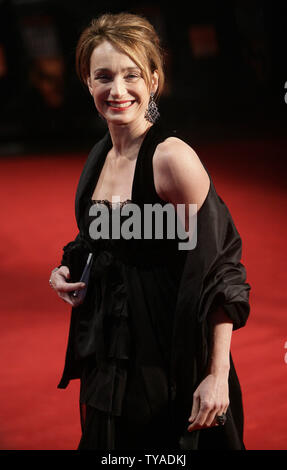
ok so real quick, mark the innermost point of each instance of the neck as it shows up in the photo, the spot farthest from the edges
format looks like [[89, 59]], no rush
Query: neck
[[127, 138]]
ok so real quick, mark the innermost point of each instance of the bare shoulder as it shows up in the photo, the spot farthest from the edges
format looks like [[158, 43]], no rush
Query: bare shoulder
[[172, 144], [174, 154], [179, 173]]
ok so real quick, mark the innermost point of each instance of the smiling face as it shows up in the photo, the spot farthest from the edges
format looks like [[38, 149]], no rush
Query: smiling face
[[120, 93]]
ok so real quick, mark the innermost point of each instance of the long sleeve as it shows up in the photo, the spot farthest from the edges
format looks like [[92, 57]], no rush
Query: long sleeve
[[75, 254]]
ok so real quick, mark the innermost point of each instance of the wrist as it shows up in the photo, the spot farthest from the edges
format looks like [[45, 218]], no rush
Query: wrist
[[219, 370]]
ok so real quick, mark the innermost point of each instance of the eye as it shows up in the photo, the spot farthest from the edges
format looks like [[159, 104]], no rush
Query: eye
[[133, 76], [103, 78]]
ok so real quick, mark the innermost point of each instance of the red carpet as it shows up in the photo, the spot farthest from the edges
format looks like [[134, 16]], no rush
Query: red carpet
[[37, 195]]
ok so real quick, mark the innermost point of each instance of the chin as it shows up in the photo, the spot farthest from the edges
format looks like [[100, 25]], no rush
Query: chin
[[120, 119]]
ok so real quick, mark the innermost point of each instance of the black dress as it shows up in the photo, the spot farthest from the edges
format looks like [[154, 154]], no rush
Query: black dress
[[139, 342]]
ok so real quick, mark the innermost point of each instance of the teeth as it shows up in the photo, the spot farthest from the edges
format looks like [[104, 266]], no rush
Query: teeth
[[120, 105]]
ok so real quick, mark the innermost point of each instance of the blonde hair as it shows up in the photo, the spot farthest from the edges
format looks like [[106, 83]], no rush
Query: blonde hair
[[132, 35]]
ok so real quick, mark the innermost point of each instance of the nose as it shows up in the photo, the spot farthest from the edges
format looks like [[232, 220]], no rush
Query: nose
[[117, 88]]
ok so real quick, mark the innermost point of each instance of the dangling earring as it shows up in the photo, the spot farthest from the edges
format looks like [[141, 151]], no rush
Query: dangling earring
[[152, 113]]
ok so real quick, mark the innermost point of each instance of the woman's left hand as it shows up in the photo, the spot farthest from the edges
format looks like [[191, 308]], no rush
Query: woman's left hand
[[210, 399]]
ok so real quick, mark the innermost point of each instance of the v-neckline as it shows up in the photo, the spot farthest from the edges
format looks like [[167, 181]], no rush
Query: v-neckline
[[136, 169]]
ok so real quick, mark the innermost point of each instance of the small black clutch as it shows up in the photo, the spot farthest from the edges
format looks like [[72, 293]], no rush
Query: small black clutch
[[80, 294], [78, 258]]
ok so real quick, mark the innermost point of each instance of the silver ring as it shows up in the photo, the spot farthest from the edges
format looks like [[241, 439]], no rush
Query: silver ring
[[53, 271], [221, 419]]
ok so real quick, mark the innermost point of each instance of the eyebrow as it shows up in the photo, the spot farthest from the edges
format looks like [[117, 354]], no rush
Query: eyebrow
[[126, 69]]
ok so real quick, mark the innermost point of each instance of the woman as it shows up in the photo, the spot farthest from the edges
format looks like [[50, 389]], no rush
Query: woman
[[150, 341]]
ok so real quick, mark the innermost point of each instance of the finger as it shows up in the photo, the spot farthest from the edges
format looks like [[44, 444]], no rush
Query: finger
[[66, 298], [70, 286], [195, 409], [65, 271], [62, 273], [59, 281], [201, 417], [225, 408], [211, 418], [74, 302]]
